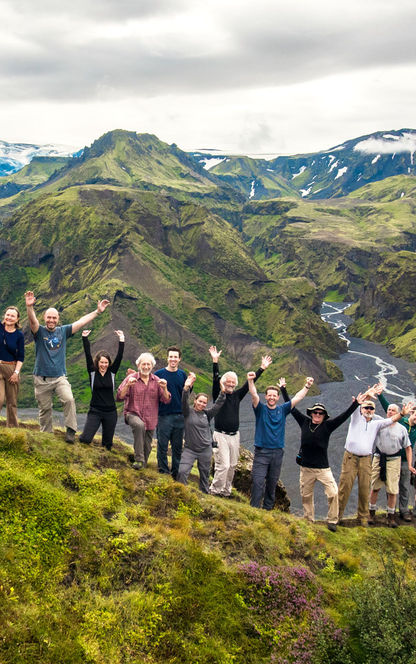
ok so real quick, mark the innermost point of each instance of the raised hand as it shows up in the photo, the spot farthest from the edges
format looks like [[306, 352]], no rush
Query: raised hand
[[85, 333], [251, 375], [215, 354], [120, 334], [102, 306], [190, 380], [309, 382], [266, 361], [282, 382], [30, 298]]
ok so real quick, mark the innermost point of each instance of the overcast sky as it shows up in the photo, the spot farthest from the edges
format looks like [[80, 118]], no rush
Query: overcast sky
[[258, 76]]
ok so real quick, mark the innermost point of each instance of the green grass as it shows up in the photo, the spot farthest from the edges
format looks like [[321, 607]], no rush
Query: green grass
[[99, 563]]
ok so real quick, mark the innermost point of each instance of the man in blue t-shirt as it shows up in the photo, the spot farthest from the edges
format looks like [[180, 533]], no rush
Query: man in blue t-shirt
[[49, 374], [269, 440], [170, 422]]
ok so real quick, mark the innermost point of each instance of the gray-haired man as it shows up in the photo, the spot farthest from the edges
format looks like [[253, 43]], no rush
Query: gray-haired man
[[227, 424]]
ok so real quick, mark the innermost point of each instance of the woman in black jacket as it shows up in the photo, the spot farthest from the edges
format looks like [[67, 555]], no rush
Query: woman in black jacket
[[316, 428], [102, 372]]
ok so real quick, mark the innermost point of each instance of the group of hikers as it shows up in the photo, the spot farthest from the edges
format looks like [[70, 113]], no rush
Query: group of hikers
[[378, 451]]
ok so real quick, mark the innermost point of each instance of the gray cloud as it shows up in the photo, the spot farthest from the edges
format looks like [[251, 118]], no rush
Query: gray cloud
[[269, 44]]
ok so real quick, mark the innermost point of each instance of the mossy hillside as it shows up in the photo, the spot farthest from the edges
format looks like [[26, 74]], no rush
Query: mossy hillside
[[389, 302], [336, 244], [244, 173], [99, 563], [37, 171], [172, 271]]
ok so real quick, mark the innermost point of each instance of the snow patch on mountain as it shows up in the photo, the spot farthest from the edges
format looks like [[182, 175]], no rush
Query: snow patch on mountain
[[210, 162], [295, 175], [341, 172]]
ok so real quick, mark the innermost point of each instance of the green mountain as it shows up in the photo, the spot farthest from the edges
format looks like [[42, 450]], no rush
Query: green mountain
[[320, 175], [184, 258], [174, 269]]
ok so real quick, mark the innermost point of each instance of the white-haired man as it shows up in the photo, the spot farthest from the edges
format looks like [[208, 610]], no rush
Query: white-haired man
[[142, 392], [49, 374], [227, 423]]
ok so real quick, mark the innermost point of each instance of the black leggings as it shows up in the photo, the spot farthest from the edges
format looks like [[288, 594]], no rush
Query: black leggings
[[108, 420]]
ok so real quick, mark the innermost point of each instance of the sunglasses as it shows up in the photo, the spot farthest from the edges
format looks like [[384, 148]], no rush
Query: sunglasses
[[368, 408], [318, 412]]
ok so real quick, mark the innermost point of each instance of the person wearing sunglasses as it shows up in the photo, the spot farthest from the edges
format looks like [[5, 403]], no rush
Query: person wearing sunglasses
[[316, 427], [356, 463]]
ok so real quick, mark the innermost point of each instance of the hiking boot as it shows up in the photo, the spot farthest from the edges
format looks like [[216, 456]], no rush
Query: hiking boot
[[138, 465], [391, 521], [372, 518], [332, 527], [405, 516], [70, 435]]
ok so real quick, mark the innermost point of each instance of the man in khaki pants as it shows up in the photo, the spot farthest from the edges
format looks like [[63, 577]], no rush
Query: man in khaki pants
[[49, 374], [359, 447]]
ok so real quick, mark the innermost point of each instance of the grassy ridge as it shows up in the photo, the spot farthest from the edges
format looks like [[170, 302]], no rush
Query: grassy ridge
[[99, 563]]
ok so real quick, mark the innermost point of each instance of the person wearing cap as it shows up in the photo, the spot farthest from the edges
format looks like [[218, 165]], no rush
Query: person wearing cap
[[269, 440], [359, 447], [409, 423], [316, 427], [390, 442]]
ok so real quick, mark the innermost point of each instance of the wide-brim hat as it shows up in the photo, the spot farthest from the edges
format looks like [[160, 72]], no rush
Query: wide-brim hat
[[318, 406]]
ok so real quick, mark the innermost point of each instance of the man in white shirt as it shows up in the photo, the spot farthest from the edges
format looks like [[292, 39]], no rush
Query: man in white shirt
[[359, 447]]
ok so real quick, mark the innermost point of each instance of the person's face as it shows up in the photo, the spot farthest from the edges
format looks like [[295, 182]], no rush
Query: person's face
[[272, 397], [412, 418], [145, 367], [200, 402], [11, 317], [392, 410], [51, 319], [103, 364], [317, 416], [229, 385], [368, 412], [173, 360]]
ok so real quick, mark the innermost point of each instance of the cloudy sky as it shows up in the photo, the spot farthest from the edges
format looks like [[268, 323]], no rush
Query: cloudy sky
[[258, 76]]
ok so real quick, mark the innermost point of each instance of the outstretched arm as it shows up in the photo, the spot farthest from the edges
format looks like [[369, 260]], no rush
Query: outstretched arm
[[116, 364], [87, 350], [303, 392], [30, 301], [252, 388], [215, 355], [101, 306]]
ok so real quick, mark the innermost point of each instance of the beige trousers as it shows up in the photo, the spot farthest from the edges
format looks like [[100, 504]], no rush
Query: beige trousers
[[226, 457], [355, 466], [307, 479], [45, 388], [8, 393]]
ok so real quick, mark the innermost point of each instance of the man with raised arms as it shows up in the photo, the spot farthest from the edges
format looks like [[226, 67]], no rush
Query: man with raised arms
[[227, 423], [49, 373], [269, 440], [359, 447]]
